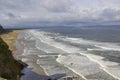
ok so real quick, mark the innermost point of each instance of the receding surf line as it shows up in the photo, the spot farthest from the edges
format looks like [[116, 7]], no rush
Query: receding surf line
[[108, 48], [103, 45], [100, 65], [70, 68], [41, 49], [43, 68]]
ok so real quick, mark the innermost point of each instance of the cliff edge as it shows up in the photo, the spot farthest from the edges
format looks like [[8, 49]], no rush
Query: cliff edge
[[10, 69]]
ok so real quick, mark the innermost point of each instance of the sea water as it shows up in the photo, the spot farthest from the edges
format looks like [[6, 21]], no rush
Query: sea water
[[90, 53]]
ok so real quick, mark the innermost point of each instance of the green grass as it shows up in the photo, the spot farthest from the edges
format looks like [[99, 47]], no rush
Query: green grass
[[9, 68]]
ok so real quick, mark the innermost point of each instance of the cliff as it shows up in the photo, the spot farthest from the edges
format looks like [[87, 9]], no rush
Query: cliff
[[9, 67]]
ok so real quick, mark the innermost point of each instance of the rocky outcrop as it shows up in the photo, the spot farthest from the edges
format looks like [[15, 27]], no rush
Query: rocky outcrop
[[1, 29]]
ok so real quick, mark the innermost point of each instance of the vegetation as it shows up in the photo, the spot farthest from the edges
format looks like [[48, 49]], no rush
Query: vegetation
[[10, 69]]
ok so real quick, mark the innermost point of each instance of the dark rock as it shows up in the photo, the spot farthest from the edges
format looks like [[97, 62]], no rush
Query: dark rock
[[1, 28], [21, 64]]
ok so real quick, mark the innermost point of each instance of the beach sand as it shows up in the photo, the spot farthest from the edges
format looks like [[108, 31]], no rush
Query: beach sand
[[10, 37]]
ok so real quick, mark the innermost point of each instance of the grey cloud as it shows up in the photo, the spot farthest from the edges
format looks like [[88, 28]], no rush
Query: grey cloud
[[58, 11], [110, 14], [54, 5], [11, 15]]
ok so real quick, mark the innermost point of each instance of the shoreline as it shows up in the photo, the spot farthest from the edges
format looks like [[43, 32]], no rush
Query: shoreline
[[17, 53], [33, 69], [9, 37], [13, 67]]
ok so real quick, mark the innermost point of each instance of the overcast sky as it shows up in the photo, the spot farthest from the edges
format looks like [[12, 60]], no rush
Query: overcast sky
[[59, 12]]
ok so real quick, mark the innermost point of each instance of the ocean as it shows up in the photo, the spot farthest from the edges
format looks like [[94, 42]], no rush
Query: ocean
[[85, 53]]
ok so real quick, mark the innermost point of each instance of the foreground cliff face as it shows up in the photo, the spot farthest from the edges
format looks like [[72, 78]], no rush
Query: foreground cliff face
[[10, 69]]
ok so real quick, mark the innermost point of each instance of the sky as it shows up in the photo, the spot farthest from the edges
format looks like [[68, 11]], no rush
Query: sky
[[59, 12]]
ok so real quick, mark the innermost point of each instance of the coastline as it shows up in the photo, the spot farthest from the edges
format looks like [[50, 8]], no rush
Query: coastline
[[8, 38], [33, 68], [10, 68]]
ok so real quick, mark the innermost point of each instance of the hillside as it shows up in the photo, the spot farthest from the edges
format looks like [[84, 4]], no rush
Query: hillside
[[9, 68]]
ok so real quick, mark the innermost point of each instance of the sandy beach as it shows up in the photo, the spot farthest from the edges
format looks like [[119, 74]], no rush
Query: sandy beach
[[10, 37]]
